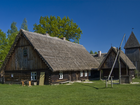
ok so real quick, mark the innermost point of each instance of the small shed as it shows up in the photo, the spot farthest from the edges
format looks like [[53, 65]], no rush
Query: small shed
[[127, 67], [41, 58]]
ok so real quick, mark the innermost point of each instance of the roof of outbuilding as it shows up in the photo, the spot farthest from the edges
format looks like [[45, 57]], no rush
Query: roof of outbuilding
[[132, 42], [123, 57], [58, 54], [99, 59]]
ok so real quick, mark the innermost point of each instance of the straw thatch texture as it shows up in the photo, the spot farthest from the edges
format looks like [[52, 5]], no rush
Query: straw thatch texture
[[132, 42], [60, 55], [101, 58], [123, 57]]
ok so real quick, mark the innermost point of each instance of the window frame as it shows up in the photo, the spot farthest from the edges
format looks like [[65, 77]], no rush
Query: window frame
[[89, 73], [85, 73], [33, 75], [25, 52], [61, 75], [81, 73]]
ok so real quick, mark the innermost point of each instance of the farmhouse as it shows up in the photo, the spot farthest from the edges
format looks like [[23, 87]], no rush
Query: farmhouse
[[132, 50], [127, 67], [46, 60]]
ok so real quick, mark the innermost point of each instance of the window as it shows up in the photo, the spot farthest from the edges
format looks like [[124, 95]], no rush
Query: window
[[61, 75], [33, 75], [89, 73], [81, 73], [12, 75], [25, 52], [85, 73]]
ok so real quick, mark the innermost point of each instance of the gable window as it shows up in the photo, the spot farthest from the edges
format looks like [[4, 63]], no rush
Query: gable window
[[89, 73], [25, 52], [81, 73], [85, 73], [60, 75], [33, 75]]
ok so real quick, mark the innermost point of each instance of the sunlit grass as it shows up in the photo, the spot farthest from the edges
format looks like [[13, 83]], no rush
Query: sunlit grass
[[76, 94]]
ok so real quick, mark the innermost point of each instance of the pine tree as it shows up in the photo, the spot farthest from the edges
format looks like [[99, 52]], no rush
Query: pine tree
[[12, 33], [24, 25]]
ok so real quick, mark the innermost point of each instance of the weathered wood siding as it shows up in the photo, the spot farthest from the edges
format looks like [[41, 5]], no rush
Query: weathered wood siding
[[67, 76], [134, 55], [110, 60], [19, 76], [18, 61]]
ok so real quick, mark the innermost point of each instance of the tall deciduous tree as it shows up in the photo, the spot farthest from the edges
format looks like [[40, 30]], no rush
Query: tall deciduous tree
[[24, 24], [3, 46], [58, 27]]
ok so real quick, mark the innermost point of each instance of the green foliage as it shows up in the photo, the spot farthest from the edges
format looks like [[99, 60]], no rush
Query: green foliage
[[12, 33], [137, 73], [91, 52], [24, 25], [57, 27], [6, 42], [95, 53], [3, 46]]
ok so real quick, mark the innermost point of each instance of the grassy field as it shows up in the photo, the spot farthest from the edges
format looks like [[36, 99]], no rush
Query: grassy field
[[76, 94]]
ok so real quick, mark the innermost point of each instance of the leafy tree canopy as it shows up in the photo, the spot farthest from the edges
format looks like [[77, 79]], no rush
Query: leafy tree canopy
[[91, 52], [24, 25], [57, 27], [95, 53]]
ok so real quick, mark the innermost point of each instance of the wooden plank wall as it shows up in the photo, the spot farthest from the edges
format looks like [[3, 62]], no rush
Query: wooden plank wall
[[20, 62], [67, 76], [19, 76], [134, 55], [110, 60]]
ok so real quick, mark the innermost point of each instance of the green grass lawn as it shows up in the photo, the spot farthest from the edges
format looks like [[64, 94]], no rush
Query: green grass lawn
[[75, 94]]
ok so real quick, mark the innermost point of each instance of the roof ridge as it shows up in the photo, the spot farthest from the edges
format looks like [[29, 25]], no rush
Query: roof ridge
[[56, 38]]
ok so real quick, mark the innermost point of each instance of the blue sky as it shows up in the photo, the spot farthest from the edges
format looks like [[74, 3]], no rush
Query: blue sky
[[103, 22]]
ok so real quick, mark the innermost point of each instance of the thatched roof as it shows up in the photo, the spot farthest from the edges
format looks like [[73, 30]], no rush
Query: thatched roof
[[99, 59], [58, 54], [123, 57], [132, 42]]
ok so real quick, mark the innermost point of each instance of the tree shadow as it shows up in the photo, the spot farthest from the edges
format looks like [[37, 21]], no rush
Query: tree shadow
[[93, 86]]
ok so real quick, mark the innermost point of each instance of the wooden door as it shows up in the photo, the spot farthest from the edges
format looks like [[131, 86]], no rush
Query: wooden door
[[69, 76], [42, 76]]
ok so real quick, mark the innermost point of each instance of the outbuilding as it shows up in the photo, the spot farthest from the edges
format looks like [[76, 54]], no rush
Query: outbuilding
[[127, 67]]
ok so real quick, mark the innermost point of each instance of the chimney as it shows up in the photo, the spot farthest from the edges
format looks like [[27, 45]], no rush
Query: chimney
[[47, 34], [99, 53], [64, 38]]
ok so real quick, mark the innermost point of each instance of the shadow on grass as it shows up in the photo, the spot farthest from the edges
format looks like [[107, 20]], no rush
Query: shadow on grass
[[93, 86]]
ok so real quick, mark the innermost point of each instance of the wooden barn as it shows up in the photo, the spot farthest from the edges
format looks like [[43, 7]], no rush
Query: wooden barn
[[46, 60], [132, 50], [127, 67]]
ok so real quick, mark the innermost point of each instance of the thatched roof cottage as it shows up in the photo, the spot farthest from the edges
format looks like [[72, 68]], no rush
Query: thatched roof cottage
[[46, 60]]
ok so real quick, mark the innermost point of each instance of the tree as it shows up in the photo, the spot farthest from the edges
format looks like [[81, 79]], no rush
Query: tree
[[3, 46], [95, 52], [91, 52], [12, 33], [57, 27], [24, 25]]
